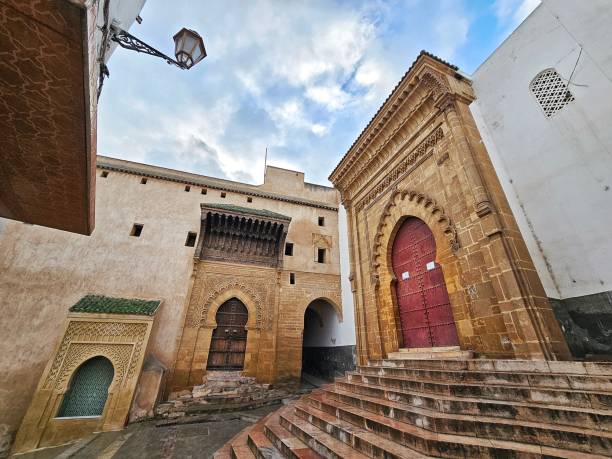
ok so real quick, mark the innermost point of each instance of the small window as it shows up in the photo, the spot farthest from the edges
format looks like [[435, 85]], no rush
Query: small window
[[187, 188], [249, 199], [136, 230], [292, 278], [104, 174], [143, 181], [222, 195], [191, 239], [321, 221], [204, 191], [320, 255], [551, 91], [289, 249]]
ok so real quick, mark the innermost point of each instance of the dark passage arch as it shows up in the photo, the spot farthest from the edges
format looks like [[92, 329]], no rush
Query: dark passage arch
[[425, 313], [88, 389], [322, 357], [228, 343]]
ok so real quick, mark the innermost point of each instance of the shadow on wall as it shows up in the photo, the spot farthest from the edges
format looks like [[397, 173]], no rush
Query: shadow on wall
[[587, 324], [320, 356]]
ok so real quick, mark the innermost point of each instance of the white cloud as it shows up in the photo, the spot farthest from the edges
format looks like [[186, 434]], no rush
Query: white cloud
[[513, 12]]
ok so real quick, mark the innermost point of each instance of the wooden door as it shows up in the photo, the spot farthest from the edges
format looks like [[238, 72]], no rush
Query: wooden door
[[424, 307], [228, 342]]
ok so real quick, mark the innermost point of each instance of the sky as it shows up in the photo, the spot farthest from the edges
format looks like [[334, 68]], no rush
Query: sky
[[300, 78]]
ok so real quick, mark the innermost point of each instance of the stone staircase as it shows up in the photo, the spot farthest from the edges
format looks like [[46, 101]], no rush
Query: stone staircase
[[447, 407], [221, 391]]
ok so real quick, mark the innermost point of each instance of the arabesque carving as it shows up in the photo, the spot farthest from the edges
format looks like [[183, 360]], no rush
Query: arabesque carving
[[426, 203], [118, 354], [207, 290], [423, 149], [434, 87], [96, 334]]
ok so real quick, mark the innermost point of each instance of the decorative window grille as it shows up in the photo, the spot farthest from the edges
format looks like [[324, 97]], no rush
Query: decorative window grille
[[551, 91], [88, 390]]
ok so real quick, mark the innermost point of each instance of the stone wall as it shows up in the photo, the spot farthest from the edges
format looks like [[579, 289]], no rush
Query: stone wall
[[422, 156], [44, 271]]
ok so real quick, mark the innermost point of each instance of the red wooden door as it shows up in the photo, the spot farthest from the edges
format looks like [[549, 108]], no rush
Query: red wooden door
[[228, 342], [424, 308]]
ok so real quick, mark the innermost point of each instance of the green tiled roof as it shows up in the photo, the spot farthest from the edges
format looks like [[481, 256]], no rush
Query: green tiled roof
[[107, 305], [247, 210]]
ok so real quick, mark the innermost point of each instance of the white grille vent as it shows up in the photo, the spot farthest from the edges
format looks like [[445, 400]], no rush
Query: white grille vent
[[551, 91]]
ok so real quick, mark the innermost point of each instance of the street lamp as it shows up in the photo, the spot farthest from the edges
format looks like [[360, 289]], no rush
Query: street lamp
[[188, 46]]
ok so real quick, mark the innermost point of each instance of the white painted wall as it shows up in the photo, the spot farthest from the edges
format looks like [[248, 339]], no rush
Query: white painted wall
[[335, 333], [557, 171]]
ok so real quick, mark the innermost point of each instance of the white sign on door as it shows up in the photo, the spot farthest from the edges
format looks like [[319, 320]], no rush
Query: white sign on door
[[405, 275]]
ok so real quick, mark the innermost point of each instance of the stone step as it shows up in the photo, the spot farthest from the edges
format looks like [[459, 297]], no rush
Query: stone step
[[433, 350], [241, 452], [289, 445], [571, 438], [507, 366], [570, 416], [451, 353], [422, 440], [259, 443], [516, 378], [566, 397], [328, 433]]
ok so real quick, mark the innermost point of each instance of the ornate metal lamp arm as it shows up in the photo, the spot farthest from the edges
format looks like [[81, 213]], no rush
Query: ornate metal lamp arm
[[128, 41]]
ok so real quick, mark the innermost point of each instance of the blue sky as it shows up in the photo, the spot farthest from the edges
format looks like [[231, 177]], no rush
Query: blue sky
[[302, 78]]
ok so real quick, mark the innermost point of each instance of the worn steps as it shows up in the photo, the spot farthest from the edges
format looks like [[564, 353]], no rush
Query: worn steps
[[415, 408]]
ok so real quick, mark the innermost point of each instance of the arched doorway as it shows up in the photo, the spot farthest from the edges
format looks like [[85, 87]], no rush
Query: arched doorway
[[424, 307], [322, 355], [228, 343], [88, 389]]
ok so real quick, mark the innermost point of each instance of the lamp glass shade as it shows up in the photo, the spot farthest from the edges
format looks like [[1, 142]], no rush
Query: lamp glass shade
[[188, 47]]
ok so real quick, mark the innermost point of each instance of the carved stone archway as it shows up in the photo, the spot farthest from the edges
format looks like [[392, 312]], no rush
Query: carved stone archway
[[401, 205]]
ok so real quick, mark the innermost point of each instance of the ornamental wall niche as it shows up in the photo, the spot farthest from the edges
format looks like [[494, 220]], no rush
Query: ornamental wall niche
[[120, 338], [208, 286]]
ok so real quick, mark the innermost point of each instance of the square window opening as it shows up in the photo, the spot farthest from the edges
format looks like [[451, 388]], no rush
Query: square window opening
[[104, 174], [292, 278], [223, 195], [204, 191], [289, 249], [143, 181], [136, 230], [320, 255], [321, 221], [249, 199], [191, 239], [187, 188]]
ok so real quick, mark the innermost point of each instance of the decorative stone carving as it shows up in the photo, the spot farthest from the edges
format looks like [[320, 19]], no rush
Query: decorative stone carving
[[425, 148], [94, 334], [209, 286], [429, 205], [322, 241]]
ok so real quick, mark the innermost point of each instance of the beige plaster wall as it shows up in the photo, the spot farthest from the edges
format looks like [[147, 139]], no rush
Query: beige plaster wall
[[44, 271]]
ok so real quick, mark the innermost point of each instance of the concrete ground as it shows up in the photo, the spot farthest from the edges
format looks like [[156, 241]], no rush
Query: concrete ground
[[152, 440]]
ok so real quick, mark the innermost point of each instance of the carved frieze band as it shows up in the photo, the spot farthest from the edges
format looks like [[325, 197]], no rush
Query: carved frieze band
[[434, 85], [421, 150], [120, 342]]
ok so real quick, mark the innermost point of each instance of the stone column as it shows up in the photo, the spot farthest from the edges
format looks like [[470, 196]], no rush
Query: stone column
[[531, 327]]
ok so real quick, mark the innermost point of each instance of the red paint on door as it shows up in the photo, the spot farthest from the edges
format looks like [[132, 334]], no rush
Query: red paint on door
[[424, 307]]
